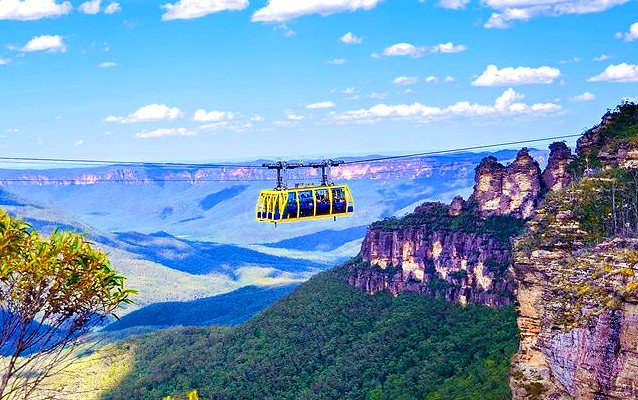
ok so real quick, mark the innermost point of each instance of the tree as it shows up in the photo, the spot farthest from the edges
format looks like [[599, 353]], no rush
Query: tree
[[52, 291]]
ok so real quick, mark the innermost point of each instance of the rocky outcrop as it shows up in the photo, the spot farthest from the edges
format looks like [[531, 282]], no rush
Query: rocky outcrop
[[608, 142], [460, 266], [578, 311], [556, 176], [507, 190], [444, 250]]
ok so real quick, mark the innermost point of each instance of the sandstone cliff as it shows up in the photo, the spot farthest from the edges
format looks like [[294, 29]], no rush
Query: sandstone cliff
[[507, 190], [461, 263], [578, 309], [463, 251]]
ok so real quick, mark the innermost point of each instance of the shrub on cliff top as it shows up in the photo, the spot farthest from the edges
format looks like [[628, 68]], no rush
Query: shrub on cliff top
[[436, 217]]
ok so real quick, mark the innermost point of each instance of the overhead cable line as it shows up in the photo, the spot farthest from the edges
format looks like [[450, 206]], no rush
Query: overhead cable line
[[479, 147], [260, 166]]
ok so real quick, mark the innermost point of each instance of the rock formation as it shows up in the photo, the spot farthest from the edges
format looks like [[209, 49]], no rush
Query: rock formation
[[460, 266], [578, 311], [507, 190], [446, 250], [556, 177]]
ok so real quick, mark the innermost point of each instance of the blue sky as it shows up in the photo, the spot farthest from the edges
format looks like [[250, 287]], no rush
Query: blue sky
[[202, 80]]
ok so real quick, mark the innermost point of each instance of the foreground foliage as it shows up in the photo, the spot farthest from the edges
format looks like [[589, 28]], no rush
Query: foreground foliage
[[52, 291], [328, 340]]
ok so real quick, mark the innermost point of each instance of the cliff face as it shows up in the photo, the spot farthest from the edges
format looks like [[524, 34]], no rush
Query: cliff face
[[578, 310], [462, 252], [460, 266], [507, 190], [556, 177]]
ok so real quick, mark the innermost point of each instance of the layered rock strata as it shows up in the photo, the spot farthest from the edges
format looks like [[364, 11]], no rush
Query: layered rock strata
[[578, 312], [460, 266], [507, 190]]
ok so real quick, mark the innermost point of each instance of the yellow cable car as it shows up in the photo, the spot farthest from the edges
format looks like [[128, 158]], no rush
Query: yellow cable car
[[301, 203]]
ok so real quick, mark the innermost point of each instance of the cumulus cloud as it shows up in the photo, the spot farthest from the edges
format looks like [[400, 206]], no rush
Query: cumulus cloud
[[617, 73], [584, 97], [509, 11], [448, 48], [107, 64], [431, 79], [90, 7], [631, 35], [79, 142], [33, 9], [189, 9], [506, 104], [285, 10], [202, 115], [321, 104], [410, 50], [48, 43], [5, 61], [163, 132], [492, 76], [454, 4], [602, 57], [112, 8], [351, 38], [405, 80], [404, 49], [151, 112]]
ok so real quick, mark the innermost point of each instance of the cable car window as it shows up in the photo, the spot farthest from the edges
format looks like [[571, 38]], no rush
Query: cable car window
[[338, 200], [323, 203], [306, 203], [291, 206]]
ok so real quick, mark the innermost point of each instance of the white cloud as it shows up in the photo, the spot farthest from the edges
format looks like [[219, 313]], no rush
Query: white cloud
[[108, 64], [163, 132], [33, 9], [285, 10], [202, 115], [293, 117], [321, 104], [448, 48], [90, 7], [454, 4], [49, 43], [5, 61], [404, 49], [287, 32], [602, 57], [112, 8], [405, 80], [448, 79], [151, 112], [79, 142], [377, 95], [189, 9], [351, 38], [617, 73], [570, 60], [349, 90], [257, 118], [407, 49], [505, 105], [492, 76], [338, 61], [508, 11], [584, 97], [631, 35], [431, 79]]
